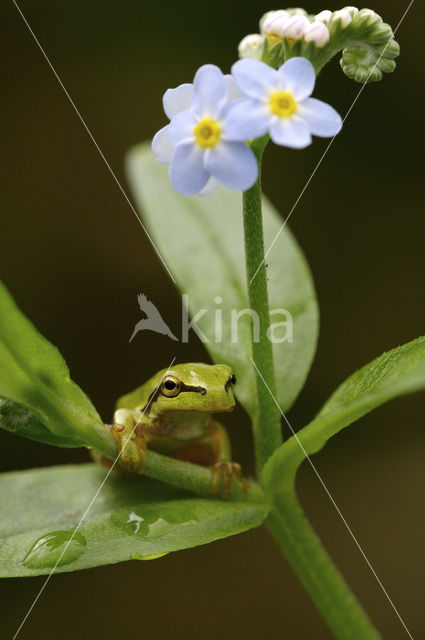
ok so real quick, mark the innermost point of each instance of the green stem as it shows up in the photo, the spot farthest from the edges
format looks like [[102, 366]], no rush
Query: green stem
[[316, 571], [267, 426], [195, 478], [183, 475], [287, 522]]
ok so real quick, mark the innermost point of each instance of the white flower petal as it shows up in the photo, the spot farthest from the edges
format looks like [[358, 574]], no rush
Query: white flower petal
[[209, 92], [290, 132], [246, 119], [162, 147], [187, 172], [233, 164], [233, 91], [322, 119], [255, 78], [297, 76], [181, 128], [178, 99], [209, 187]]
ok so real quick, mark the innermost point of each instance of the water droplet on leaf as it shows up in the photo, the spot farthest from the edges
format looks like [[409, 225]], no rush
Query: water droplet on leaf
[[48, 549], [138, 556]]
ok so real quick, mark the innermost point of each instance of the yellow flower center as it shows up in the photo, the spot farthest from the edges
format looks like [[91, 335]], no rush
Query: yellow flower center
[[282, 104], [207, 132]]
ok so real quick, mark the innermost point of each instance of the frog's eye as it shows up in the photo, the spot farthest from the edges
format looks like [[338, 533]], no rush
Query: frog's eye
[[170, 386], [230, 382]]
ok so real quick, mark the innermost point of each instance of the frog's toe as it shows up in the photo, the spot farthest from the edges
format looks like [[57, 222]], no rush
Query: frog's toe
[[132, 456], [222, 475], [132, 459]]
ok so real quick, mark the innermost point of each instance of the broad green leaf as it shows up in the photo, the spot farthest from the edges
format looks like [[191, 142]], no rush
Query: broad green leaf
[[34, 375], [201, 241], [132, 518], [395, 373], [18, 420]]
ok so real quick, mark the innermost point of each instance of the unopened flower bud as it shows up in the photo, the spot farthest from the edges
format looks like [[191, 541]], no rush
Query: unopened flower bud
[[296, 11], [295, 27], [352, 10], [370, 14], [273, 22], [264, 18], [323, 16], [387, 65], [318, 33], [251, 46], [343, 16], [391, 49]]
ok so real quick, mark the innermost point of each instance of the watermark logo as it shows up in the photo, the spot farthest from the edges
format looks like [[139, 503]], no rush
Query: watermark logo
[[224, 324], [153, 321]]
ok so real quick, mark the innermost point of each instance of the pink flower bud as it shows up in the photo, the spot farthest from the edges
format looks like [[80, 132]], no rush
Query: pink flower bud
[[318, 33], [274, 22], [295, 27]]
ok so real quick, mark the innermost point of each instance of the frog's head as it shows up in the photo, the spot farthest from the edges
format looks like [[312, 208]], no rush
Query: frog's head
[[193, 387]]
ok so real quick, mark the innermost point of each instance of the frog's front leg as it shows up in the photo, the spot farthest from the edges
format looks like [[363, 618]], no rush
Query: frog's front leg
[[213, 450], [131, 442]]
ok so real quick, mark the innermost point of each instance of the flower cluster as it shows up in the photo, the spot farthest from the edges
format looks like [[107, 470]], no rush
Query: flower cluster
[[293, 25], [197, 143], [367, 42], [212, 119], [296, 25]]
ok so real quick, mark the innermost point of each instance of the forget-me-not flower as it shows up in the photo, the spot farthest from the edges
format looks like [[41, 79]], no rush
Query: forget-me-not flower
[[180, 99], [278, 102], [198, 143], [174, 101]]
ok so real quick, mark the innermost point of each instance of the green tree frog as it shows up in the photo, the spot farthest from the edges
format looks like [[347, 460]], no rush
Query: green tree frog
[[172, 414]]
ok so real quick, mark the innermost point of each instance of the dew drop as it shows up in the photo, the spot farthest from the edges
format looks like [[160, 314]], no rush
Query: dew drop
[[48, 549], [139, 556]]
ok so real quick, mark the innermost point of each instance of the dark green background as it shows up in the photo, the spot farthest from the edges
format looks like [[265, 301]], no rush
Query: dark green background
[[75, 257]]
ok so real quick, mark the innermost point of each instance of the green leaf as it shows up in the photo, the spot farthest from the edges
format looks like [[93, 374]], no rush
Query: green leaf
[[395, 373], [132, 518], [201, 241], [34, 376], [18, 420]]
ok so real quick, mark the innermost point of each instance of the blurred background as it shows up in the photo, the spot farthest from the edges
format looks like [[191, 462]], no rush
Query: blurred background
[[74, 257]]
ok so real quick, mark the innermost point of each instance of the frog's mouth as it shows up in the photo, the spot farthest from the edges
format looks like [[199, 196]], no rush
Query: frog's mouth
[[230, 382]]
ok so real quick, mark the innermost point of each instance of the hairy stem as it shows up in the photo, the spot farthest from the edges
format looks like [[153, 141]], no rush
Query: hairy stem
[[267, 426], [184, 475], [316, 571], [194, 478]]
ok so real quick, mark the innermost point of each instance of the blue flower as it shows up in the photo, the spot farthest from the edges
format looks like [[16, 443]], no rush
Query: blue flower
[[278, 102], [198, 143]]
